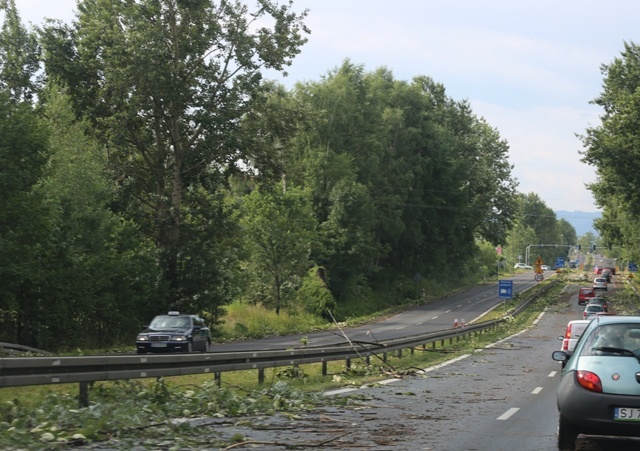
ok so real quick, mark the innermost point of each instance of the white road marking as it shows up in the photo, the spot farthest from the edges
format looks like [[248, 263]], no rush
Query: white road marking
[[443, 364], [553, 373], [536, 390], [508, 414], [435, 317], [535, 321]]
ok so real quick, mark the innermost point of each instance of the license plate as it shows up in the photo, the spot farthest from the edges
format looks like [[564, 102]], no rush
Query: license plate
[[626, 414], [158, 345]]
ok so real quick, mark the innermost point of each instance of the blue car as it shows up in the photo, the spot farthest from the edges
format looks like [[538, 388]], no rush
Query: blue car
[[599, 393]]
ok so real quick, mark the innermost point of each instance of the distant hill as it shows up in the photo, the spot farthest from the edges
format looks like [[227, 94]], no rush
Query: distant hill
[[582, 221]]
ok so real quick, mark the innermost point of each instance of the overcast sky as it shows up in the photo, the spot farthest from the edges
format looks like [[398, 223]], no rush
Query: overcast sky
[[530, 68]]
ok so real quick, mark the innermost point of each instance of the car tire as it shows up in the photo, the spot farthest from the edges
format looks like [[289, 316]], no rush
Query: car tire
[[567, 435]]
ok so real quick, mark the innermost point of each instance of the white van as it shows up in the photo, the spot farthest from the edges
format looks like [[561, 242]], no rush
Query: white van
[[572, 334]]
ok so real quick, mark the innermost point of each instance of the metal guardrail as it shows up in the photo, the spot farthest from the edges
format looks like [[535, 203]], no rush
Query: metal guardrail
[[11, 348], [22, 371]]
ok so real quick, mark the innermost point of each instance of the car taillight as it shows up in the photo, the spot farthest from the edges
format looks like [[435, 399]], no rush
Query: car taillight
[[565, 345], [568, 332], [589, 381]]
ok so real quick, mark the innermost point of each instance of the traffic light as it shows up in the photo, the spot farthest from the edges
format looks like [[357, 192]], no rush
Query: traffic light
[[579, 247], [593, 247]]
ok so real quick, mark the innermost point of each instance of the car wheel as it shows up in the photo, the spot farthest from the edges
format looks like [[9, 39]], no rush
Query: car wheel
[[567, 435]]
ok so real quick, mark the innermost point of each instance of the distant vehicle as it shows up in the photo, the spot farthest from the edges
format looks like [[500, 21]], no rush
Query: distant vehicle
[[544, 267], [599, 391], [174, 332], [572, 334], [590, 311], [599, 301], [522, 266], [584, 294], [600, 283], [607, 274]]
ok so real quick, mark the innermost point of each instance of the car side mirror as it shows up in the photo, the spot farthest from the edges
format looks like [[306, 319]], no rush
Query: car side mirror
[[559, 356]]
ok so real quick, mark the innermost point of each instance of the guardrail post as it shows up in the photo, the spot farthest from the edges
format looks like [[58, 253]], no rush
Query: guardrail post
[[348, 364], [217, 377], [83, 397], [324, 368], [399, 353], [384, 357], [260, 376], [367, 360]]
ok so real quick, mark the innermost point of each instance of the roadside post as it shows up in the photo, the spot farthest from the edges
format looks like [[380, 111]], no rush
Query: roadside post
[[505, 291]]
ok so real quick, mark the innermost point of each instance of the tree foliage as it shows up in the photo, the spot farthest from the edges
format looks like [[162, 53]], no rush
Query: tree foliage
[[19, 55], [613, 148], [166, 83], [24, 152], [161, 171], [279, 228]]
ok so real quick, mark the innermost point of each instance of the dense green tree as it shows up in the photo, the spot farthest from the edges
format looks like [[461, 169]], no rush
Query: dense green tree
[[24, 152], [568, 235], [414, 176], [542, 219], [167, 82], [96, 269], [613, 148], [19, 55], [520, 237], [279, 228]]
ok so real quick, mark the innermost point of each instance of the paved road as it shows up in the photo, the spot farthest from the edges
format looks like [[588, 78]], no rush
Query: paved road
[[500, 398], [434, 316]]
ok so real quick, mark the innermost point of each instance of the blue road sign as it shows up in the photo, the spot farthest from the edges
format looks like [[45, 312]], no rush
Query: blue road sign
[[633, 267], [559, 262], [505, 289]]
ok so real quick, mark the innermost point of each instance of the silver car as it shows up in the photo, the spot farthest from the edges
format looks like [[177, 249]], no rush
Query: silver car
[[591, 310]]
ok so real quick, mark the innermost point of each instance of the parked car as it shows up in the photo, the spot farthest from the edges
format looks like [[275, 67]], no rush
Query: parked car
[[599, 301], [591, 310], [522, 266], [572, 333], [584, 294], [599, 391], [600, 283], [174, 332]]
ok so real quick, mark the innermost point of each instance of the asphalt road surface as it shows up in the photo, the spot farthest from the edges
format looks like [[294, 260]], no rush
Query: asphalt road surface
[[501, 398], [430, 317]]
